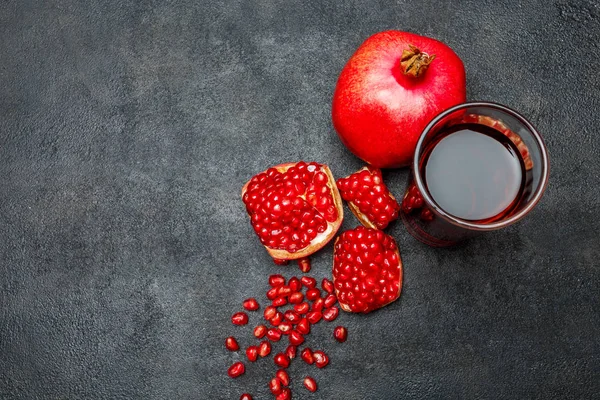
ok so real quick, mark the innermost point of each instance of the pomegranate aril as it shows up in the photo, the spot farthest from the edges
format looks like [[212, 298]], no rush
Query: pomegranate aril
[[292, 316], [286, 394], [295, 298], [284, 291], [302, 308], [279, 302], [251, 304], [277, 318], [290, 351], [276, 280], [310, 384], [236, 369], [239, 318], [308, 282], [426, 215], [303, 326], [269, 313], [330, 300], [313, 294], [340, 334], [275, 386], [279, 261], [327, 285], [264, 349], [274, 335], [318, 304], [246, 396], [273, 293], [321, 359], [307, 356], [283, 377], [296, 338], [281, 360], [252, 353], [304, 265], [314, 317], [231, 344], [285, 328], [295, 284], [330, 313]]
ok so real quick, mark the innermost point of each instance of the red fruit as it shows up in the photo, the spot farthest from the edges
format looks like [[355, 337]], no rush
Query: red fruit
[[367, 270], [321, 359], [252, 353], [308, 282], [318, 304], [285, 328], [251, 304], [279, 302], [286, 394], [264, 349], [283, 377], [296, 298], [260, 331], [276, 280], [393, 85], [292, 316], [281, 360], [269, 313], [313, 294], [314, 316], [413, 200], [307, 356], [301, 308], [273, 293], [275, 386], [277, 261], [304, 265], [330, 313], [368, 198], [236, 369], [327, 285], [296, 338], [274, 335], [231, 344], [310, 384], [239, 318], [290, 351], [303, 326], [340, 334], [295, 284], [277, 318], [426, 215], [246, 396], [330, 300], [295, 208], [284, 291]]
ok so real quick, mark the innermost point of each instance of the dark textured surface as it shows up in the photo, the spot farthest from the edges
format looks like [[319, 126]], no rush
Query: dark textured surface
[[128, 128]]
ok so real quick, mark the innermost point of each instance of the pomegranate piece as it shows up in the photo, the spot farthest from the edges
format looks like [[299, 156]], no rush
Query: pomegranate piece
[[236, 369], [269, 312], [251, 304], [276, 280], [340, 334], [274, 335], [294, 208], [264, 349], [307, 356], [231, 344], [281, 360], [308, 282], [321, 359], [296, 338], [275, 386], [292, 316], [327, 285], [286, 394], [285, 328], [310, 384], [239, 318], [260, 331], [295, 298], [313, 294], [246, 396], [290, 351], [330, 300], [252, 353], [273, 293], [277, 318], [284, 291], [426, 215], [330, 313], [304, 265], [367, 270], [279, 302], [278, 261], [301, 308], [318, 304], [413, 200], [369, 198], [314, 316], [295, 284], [303, 326], [283, 377]]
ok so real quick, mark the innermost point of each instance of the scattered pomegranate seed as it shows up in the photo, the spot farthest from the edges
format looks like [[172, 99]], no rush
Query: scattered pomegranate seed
[[426, 215], [330, 300], [308, 282], [290, 351], [276, 280], [313, 294], [303, 326], [239, 318], [340, 334], [231, 344], [295, 284], [318, 304], [285, 328], [260, 331], [277, 318], [307, 356], [284, 291], [302, 308], [296, 338], [246, 396], [314, 316], [281, 360], [304, 265], [252, 353], [321, 359], [310, 384], [279, 302], [236, 369], [272, 293], [264, 349], [286, 394], [327, 285], [292, 316], [279, 261], [283, 377], [269, 313], [331, 313], [275, 386], [296, 298], [251, 304], [273, 335]]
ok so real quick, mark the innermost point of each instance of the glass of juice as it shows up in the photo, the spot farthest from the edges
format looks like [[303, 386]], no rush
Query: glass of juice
[[477, 167]]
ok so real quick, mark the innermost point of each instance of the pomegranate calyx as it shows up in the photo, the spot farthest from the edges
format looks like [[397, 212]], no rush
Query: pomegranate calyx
[[414, 63]]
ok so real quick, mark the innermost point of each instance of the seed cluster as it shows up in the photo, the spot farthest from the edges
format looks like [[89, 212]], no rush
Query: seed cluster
[[413, 201]]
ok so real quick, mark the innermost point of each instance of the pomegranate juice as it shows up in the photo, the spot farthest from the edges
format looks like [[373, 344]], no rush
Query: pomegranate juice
[[474, 172]]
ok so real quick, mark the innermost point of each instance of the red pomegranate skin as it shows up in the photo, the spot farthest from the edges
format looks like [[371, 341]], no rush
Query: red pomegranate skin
[[379, 111]]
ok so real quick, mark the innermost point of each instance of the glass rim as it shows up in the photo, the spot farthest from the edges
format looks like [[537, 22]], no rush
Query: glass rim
[[467, 224]]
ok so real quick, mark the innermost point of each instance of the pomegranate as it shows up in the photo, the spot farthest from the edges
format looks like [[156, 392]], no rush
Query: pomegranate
[[279, 302], [260, 331], [286, 394], [281, 360], [251, 304], [304, 265], [275, 386], [330, 300], [367, 270], [264, 349], [252, 353], [327, 285], [330, 314], [340, 334], [310, 384], [393, 85], [307, 356], [231, 344], [301, 308], [283, 377], [303, 326], [308, 282], [295, 208], [321, 359], [369, 198], [274, 335], [276, 280], [239, 318], [296, 338], [290, 351], [236, 369]]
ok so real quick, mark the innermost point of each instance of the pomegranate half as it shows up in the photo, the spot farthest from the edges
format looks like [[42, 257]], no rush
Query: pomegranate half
[[294, 208]]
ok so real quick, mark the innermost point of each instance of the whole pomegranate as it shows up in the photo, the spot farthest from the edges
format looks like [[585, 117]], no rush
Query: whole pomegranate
[[389, 90]]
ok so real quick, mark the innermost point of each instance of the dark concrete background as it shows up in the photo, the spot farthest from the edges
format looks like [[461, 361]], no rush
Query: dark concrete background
[[128, 128]]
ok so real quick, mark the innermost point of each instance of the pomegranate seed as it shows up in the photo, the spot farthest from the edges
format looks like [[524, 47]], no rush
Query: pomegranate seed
[[279, 261], [304, 265], [340, 334], [277, 318], [284, 291], [307, 356], [279, 302], [276, 280], [286, 394], [303, 326], [246, 396], [295, 284], [308, 282], [330, 300], [290, 351], [252, 353], [273, 335], [331, 313], [313, 294], [275, 386], [314, 317], [310, 384], [296, 298], [292, 316], [231, 344], [236, 369], [269, 313], [264, 349], [239, 318], [260, 331], [281, 360], [283, 377], [318, 304], [426, 215], [302, 308], [321, 359], [285, 328], [296, 338], [251, 304], [327, 285], [273, 293]]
